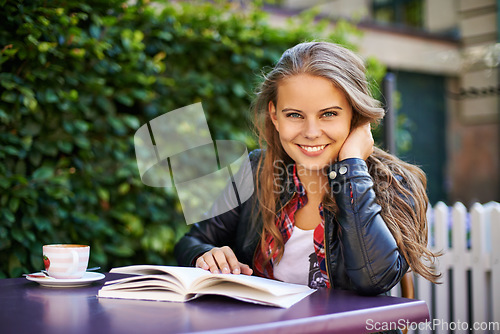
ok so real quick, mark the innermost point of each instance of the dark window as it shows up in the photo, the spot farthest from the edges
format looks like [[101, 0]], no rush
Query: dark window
[[398, 12]]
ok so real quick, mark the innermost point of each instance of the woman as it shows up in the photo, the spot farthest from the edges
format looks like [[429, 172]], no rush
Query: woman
[[329, 209]]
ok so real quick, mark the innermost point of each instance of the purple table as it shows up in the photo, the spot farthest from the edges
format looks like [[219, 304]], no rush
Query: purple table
[[26, 307]]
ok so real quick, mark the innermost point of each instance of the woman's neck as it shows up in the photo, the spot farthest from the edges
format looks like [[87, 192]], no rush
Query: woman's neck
[[314, 181]]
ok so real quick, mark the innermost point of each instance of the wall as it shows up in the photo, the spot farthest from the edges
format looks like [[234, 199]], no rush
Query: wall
[[441, 16], [473, 164]]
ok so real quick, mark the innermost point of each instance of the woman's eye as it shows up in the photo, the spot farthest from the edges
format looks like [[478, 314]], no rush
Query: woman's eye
[[329, 114], [294, 115]]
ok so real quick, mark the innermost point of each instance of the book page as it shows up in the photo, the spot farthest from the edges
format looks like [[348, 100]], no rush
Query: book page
[[248, 294], [157, 295], [185, 276], [273, 287], [158, 282]]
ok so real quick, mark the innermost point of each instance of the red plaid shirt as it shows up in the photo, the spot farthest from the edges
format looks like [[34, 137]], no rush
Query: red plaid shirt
[[285, 223]]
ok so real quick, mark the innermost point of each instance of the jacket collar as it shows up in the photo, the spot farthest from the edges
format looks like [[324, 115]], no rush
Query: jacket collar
[[290, 186]]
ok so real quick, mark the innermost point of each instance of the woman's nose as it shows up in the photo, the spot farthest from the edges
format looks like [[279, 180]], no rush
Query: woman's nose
[[312, 129]]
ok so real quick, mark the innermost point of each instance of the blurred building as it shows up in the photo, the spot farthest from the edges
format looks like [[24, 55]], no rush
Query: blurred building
[[444, 56]]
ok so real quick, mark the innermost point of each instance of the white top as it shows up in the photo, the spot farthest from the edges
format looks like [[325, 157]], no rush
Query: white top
[[295, 264]]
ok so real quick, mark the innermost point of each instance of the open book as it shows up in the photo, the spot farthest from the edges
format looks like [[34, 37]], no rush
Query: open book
[[181, 284]]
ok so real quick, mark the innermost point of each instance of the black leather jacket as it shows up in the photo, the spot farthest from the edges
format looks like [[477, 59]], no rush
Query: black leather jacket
[[361, 253]]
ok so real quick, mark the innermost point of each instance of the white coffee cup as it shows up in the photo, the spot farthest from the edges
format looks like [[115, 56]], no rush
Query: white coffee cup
[[66, 260]]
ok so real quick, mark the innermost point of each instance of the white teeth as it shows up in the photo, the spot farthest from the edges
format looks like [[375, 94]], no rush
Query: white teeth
[[313, 148]]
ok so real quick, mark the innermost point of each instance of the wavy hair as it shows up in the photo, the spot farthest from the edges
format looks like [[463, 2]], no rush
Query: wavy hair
[[395, 181]]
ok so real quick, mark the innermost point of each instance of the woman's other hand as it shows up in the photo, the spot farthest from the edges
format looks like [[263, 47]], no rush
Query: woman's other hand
[[359, 143], [222, 260]]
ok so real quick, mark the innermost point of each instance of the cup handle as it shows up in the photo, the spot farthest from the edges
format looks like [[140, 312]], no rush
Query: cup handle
[[76, 261]]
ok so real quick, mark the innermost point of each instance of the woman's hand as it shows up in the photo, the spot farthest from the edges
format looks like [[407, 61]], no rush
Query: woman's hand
[[222, 260], [359, 143]]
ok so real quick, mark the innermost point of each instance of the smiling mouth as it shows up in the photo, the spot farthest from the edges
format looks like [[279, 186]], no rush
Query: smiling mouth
[[313, 148]]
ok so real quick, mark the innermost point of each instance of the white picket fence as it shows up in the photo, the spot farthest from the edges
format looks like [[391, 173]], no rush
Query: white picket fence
[[468, 300]]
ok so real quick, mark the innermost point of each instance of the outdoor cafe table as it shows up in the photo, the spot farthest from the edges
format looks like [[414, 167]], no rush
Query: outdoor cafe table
[[26, 307]]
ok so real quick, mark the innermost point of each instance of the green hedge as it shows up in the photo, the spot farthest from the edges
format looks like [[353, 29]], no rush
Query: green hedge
[[78, 79]]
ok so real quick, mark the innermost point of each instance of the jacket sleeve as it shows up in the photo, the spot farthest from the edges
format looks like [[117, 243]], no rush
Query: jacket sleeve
[[371, 256], [216, 231], [203, 236], [221, 229]]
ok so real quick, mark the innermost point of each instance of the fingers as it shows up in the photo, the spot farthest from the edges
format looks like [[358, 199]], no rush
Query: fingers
[[200, 263], [222, 260], [245, 269], [210, 259], [359, 143], [222, 257]]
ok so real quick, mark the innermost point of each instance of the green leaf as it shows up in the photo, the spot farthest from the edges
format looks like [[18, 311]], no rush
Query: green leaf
[[124, 99], [65, 146], [8, 84], [123, 188], [9, 96], [131, 121], [239, 90], [42, 224], [4, 183], [30, 102], [51, 96], [17, 234], [81, 125], [3, 232], [117, 125], [9, 216], [43, 173], [14, 204], [95, 31], [82, 142], [11, 150], [103, 194], [132, 223], [57, 192], [45, 46], [31, 128], [4, 118]]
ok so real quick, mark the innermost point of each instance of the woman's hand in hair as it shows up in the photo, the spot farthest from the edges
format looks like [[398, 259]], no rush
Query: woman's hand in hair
[[222, 260], [359, 143]]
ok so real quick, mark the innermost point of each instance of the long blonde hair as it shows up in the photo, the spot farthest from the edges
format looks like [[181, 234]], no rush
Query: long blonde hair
[[406, 214]]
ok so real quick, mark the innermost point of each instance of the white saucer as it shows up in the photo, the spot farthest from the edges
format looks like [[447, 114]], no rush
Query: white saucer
[[51, 282]]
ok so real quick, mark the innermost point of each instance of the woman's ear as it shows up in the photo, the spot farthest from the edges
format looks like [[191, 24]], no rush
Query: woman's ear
[[272, 113]]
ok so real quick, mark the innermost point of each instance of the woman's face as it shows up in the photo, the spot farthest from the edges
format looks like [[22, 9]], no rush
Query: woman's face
[[313, 120]]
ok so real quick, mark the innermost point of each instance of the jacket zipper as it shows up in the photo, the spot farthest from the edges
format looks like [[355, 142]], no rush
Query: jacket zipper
[[327, 256]]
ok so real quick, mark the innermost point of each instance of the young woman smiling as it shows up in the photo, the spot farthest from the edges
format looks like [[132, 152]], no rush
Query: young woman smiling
[[329, 208]]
